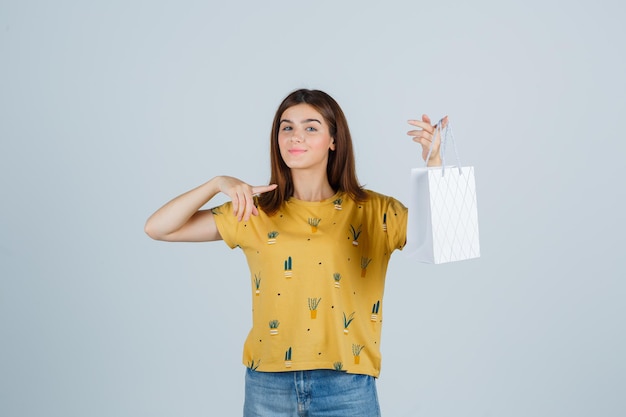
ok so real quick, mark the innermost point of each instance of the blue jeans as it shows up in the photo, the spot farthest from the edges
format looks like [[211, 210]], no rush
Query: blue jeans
[[316, 393]]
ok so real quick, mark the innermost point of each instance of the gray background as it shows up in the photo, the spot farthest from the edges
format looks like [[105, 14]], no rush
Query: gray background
[[109, 109]]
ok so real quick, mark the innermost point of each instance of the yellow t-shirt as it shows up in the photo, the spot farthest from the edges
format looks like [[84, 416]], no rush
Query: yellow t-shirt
[[318, 272]]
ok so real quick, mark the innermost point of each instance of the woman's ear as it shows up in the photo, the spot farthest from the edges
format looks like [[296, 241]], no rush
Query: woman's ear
[[332, 144]]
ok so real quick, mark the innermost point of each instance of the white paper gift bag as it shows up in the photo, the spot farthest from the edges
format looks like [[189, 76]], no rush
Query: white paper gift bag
[[443, 217]]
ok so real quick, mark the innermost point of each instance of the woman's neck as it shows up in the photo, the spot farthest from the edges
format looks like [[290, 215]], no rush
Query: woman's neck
[[308, 187]]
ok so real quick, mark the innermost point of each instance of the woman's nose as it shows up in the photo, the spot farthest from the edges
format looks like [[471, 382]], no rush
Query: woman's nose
[[297, 137]]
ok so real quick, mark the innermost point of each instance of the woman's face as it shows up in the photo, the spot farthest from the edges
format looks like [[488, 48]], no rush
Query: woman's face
[[304, 138]]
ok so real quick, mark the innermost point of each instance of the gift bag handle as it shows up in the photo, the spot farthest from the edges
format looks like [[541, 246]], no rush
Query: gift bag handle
[[442, 146]]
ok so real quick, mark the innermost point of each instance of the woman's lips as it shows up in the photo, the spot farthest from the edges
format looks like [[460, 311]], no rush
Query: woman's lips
[[296, 151]]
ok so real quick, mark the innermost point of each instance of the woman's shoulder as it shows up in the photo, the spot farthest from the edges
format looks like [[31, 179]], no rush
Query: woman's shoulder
[[376, 198], [371, 194]]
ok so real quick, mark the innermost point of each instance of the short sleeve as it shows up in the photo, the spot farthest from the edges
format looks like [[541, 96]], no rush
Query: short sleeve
[[395, 217], [226, 223]]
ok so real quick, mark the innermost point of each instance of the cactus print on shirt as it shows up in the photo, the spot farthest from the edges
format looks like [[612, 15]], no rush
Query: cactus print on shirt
[[317, 273]]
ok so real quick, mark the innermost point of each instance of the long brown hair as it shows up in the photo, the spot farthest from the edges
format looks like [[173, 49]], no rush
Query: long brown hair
[[341, 169]]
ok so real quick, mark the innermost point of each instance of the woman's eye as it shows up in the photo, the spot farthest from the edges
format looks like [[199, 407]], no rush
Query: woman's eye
[[286, 128], [311, 129]]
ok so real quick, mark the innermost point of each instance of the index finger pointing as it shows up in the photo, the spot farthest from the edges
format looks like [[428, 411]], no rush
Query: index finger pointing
[[260, 189]]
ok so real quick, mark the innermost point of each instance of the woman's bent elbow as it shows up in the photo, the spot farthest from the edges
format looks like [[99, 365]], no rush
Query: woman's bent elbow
[[150, 230]]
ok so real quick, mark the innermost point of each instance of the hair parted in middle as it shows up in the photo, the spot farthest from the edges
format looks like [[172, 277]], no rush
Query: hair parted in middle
[[341, 169]]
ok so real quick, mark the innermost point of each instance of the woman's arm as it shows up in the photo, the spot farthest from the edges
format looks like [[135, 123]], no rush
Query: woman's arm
[[181, 219], [424, 136]]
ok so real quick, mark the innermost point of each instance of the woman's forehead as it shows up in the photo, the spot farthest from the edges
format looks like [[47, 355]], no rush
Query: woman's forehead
[[302, 113]]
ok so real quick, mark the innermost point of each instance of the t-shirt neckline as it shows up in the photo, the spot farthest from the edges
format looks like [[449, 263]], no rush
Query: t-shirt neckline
[[329, 200]]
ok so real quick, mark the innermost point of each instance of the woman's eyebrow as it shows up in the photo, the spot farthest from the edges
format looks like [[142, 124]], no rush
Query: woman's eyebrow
[[304, 121]]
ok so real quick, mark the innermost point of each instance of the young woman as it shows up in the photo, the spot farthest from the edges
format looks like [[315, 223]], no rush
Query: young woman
[[317, 245]]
